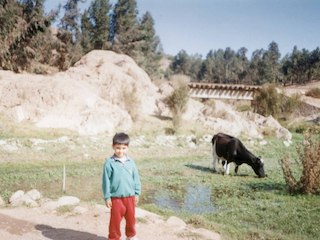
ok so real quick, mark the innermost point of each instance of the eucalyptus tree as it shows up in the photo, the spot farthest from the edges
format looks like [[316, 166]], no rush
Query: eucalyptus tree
[[126, 34], [69, 23], [242, 66], [70, 50], [86, 32], [271, 59], [301, 66], [211, 68], [230, 66], [196, 63], [181, 63], [256, 67], [99, 24], [149, 51]]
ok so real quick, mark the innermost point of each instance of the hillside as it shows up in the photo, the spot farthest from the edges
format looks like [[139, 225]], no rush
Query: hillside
[[102, 93]]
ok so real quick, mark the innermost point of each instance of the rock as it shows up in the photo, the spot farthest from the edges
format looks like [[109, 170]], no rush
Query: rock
[[206, 234], [28, 201], [281, 132], [68, 200], [34, 194], [16, 198], [191, 141], [50, 205], [176, 223]]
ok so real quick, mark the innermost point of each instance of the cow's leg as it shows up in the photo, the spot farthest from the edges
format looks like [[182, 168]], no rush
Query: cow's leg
[[215, 158], [236, 169], [227, 168], [214, 163]]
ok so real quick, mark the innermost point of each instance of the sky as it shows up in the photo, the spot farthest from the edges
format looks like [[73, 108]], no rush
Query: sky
[[198, 26]]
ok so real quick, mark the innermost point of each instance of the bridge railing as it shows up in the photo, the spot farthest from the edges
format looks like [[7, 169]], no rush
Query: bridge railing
[[222, 91]]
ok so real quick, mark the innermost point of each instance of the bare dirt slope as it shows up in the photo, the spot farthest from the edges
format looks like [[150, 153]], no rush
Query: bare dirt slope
[[302, 90], [38, 224]]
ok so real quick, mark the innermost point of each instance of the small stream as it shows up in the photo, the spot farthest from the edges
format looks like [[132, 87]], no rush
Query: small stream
[[197, 200]]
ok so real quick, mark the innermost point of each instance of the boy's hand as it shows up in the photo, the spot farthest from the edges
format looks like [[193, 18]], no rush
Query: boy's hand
[[108, 203], [136, 198]]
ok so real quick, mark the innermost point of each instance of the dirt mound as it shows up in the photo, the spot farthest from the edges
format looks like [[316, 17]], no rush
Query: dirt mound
[[87, 98]]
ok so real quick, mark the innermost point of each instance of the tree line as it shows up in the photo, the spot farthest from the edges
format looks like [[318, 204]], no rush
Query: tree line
[[265, 66], [29, 43]]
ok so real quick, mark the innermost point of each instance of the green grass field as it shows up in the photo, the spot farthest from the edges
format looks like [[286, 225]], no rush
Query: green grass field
[[183, 184]]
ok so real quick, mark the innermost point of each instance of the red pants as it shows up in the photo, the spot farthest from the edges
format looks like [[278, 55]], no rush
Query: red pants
[[122, 207]]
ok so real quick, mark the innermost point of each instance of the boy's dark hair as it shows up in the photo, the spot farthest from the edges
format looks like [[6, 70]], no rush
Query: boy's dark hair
[[121, 138]]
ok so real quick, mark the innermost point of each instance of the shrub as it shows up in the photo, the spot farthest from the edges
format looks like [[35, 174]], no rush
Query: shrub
[[309, 165], [177, 103], [267, 101], [131, 102], [304, 127], [315, 93], [290, 104]]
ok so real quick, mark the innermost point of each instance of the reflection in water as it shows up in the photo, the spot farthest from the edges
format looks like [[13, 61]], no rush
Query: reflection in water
[[197, 200]]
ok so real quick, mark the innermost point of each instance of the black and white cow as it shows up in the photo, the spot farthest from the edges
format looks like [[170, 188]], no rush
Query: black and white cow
[[230, 149]]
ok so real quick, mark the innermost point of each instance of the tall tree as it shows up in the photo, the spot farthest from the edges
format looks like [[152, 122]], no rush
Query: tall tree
[[301, 66], [271, 64], [126, 33], [150, 49], [256, 68], [242, 65], [86, 32], [70, 50], [70, 21], [99, 16], [181, 63]]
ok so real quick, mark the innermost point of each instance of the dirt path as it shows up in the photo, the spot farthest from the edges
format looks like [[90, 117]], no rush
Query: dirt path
[[38, 224]]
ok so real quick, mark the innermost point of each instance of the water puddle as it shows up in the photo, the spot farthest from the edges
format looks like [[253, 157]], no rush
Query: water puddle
[[196, 199]]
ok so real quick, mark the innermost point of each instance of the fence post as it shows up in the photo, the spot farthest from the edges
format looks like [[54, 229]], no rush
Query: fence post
[[64, 178]]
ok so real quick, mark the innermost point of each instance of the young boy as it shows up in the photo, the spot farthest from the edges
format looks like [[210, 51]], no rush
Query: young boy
[[121, 188]]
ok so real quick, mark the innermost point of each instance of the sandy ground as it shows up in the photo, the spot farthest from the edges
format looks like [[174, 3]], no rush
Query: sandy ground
[[39, 223]]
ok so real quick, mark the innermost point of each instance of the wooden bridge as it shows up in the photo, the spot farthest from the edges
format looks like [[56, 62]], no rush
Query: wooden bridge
[[222, 91]]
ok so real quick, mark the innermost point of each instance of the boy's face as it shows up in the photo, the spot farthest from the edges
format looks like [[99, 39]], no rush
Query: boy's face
[[120, 150]]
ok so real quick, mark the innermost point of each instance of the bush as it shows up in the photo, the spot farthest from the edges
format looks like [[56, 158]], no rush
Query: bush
[[131, 102], [315, 93], [177, 103], [290, 104], [304, 127], [309, 165], [267, 101]]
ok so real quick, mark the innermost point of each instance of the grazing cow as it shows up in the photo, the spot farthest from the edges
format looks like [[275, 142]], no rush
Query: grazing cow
[[231, 149]]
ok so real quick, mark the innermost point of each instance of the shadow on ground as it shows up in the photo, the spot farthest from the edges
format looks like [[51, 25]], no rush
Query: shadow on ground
[[207, 169], [200, 168], [63, 233]]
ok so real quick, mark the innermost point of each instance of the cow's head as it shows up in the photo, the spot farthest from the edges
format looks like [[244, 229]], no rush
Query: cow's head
[[258, 167]]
